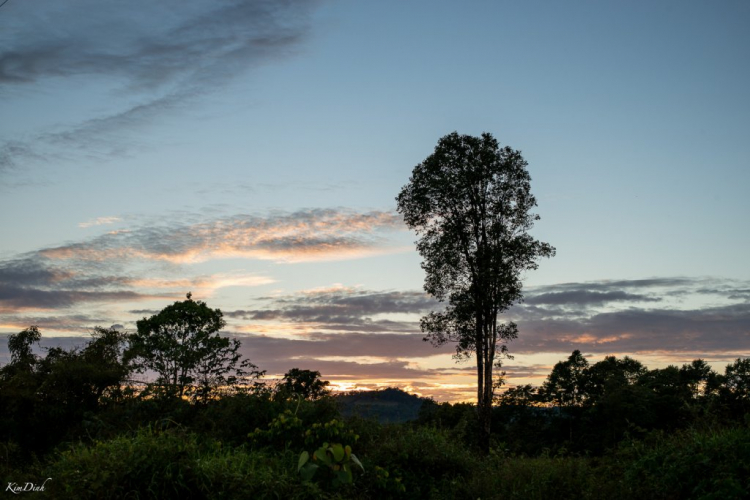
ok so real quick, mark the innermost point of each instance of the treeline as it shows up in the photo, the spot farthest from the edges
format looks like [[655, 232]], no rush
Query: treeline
[[205, 427], [588, 409]]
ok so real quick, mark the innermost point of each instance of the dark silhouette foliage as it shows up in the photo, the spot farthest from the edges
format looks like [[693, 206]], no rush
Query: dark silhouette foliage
[[183, 346], [305, 383], [610, 429], [470, 202]]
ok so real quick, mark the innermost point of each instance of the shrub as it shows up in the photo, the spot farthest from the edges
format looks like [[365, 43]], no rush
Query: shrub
[[173, 464]]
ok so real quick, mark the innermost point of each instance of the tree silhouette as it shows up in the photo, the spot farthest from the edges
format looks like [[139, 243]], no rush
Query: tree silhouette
[[21, 355], [182, 345], [305, 383], [565, 384], [470, 203]]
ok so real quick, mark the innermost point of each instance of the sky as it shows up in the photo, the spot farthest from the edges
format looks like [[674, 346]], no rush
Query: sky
[[250, 152]]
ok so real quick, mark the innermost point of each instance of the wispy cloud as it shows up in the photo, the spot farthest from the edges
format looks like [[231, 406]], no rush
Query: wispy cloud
[[309, 235], [160, 56], [99, 221], [588, 297], [14, 299], [129, 264]]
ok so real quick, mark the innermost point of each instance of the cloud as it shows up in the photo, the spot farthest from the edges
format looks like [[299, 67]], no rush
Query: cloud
[[13, 299], [129, 264], [610, 285], [371, 337], [79, 323], [555, 319], [588, 297], [339, 309], [306, 235], [155, 56], [323, 345], [346, 303], [99, 221], [147, 45], [32, 272], [32, 282], [696, 315]]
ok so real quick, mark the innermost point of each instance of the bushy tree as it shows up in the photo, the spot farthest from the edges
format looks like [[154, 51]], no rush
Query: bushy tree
[[22, 356], [565, 384], [182, 345], [43, 398], [305, 383]]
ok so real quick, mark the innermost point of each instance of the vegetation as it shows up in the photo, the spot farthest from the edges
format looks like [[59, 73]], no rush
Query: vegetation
[[73, 426], [612, 429], [470, 202]]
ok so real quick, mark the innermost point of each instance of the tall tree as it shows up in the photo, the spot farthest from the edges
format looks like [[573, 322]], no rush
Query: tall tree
[[183, 346], [470, 202]]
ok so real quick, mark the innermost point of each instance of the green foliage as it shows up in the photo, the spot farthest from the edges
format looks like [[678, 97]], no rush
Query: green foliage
[[334, 460], [331, 460], [333, 431], [387, 484], [610, 430], [426, 460], [540, 478], [286, 432], [690, 464], [172, 464]]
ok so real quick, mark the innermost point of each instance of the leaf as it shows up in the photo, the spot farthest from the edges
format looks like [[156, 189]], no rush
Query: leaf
[[344, 477], [308, 471], [338, 452], [303, 458], [356, 461], [322, 456]]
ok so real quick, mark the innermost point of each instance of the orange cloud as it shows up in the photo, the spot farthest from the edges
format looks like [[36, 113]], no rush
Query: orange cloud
[[304, 236]]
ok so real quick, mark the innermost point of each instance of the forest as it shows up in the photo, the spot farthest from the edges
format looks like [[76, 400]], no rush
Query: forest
[[76, 424]]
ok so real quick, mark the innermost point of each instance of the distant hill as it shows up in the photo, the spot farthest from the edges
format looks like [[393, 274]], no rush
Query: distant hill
[[387, 406]]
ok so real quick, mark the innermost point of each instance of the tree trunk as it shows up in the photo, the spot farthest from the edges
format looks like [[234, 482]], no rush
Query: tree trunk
[[484, 386], [484, 411]]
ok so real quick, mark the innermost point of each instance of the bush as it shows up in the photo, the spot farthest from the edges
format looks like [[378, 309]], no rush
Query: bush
[[691, 464], [173, 464], [428, 462]]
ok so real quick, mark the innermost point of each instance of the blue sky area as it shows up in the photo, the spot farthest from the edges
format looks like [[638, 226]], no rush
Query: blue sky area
[[251, 152]]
